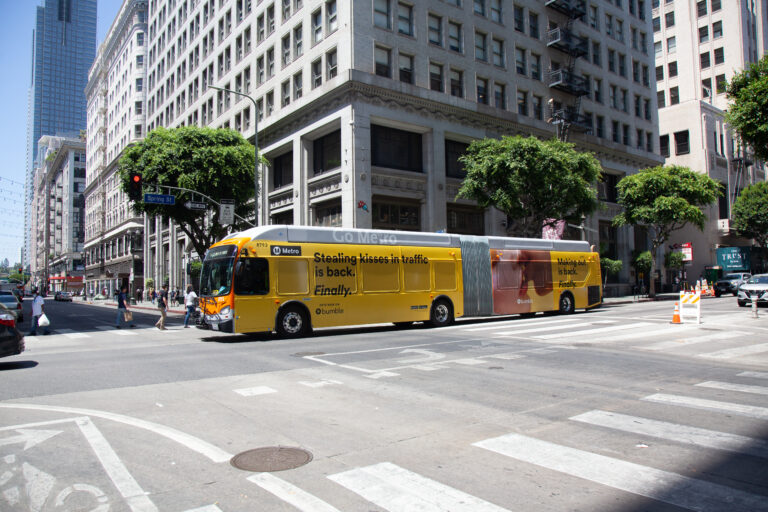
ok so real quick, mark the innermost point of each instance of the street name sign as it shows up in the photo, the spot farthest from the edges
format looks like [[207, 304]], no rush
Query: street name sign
[[159, 199]]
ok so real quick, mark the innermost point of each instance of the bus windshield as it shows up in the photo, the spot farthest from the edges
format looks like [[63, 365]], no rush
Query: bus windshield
[[216, 275]]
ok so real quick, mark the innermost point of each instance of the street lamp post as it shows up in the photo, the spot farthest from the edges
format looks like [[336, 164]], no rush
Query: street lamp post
[[255, 147]]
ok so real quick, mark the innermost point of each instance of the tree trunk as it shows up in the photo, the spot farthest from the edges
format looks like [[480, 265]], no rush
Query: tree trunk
[[652, 280]]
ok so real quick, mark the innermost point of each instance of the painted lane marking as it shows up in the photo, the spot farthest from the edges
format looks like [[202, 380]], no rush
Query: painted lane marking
[[29, 437], [709, 405], [469, 361], [396, 489], [756, 375], [71, 334], [255, 391], [683, 342], [196, 444], [207, 508], [320, 384], [727, 386], [544, 328], [652, 483], [737, 352], [595, 331], [504, 325], [674, 432], [507, 356], [426, 356], [291, 494], [125, 483], [429, 367]]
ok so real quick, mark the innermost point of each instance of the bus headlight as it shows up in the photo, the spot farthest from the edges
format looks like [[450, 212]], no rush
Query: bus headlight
[[225, 313]]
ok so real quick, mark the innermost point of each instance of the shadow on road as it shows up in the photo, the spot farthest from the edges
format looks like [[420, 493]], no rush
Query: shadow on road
[[17, 365]]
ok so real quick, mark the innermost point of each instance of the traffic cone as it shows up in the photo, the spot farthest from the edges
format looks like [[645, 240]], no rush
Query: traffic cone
[[676, 314]]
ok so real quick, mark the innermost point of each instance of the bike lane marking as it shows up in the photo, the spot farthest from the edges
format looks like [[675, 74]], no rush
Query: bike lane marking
[[214, 453]]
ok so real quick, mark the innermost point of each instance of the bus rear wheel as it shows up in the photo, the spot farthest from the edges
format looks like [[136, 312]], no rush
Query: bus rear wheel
[[441, 314], [292, 322], [567, 305]]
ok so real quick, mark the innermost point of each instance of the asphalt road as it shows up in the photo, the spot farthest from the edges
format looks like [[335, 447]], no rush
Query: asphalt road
[[614, 409]]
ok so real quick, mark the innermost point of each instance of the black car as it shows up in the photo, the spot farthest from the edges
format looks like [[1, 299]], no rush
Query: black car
[[730, 283], [11, 340]]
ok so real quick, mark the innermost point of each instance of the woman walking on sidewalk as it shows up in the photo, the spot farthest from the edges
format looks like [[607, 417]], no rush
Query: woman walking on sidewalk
[[190, 301], [122, 308], [162, 305]]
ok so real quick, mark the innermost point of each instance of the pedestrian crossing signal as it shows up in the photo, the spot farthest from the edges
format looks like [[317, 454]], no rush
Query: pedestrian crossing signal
[[134, 187]]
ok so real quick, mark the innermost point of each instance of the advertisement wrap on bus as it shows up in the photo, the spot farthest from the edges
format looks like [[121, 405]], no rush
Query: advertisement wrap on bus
[[291, 279]]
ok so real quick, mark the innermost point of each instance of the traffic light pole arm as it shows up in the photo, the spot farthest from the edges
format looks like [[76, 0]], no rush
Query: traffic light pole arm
[[202, 195]]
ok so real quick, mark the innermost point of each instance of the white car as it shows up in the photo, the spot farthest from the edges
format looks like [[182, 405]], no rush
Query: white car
[[756, 287]]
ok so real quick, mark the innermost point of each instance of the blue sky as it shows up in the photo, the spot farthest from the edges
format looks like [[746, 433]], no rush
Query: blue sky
[[16, 41]]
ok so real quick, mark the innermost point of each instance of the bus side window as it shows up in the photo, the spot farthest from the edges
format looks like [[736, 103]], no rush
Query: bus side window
[[252, 276]]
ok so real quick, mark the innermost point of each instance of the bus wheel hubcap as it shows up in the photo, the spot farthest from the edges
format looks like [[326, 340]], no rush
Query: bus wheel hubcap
[[441, 313], [292, 322]]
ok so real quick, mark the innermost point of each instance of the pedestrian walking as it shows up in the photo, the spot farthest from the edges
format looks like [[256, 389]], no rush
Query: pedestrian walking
[[122, 308], [190, 301], [162, 305], [154, 295], [38, 308]]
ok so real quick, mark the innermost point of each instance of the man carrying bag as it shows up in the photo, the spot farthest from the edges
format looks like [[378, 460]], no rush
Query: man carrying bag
[[38, 305], [122, 308]]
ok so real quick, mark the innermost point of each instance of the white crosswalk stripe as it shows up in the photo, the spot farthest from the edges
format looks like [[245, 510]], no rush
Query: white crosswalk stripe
[[543, 328], [727, 386], [289, 493], [396, 489], [730, 353], [69, 333], [653, 483], [674, 432], [710, 405], [756, 375], [601, 330], [682, 342]]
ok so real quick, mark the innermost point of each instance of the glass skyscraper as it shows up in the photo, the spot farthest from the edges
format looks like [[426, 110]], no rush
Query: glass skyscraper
[[63, 50]]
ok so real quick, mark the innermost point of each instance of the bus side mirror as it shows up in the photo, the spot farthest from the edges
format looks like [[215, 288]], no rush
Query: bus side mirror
[[239, 269]]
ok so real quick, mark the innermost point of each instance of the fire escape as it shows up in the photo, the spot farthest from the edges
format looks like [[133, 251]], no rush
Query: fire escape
[[565, 79]]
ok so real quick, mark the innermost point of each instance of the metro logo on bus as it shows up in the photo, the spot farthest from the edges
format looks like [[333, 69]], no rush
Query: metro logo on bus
[[285, 250]]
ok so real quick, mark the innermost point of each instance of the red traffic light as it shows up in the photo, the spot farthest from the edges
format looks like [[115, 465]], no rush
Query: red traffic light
[[136, 178]]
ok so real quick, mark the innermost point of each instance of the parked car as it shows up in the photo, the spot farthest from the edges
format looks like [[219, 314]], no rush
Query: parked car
[[757, 287], [11, 340], [10, 301], [730, 283], [63, 296]]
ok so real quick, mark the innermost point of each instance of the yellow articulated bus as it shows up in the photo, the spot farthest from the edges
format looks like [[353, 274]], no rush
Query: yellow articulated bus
[[290, 279]]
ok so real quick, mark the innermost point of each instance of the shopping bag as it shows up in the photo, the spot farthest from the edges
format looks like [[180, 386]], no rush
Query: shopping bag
[[43, 321], [128, 316]]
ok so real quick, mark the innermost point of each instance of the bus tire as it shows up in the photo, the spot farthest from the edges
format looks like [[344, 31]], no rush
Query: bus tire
[[567, 305], [441, 313], [292, 322]]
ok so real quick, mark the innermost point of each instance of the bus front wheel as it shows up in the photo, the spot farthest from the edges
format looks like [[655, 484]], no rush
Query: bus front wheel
[[442, 313], [567, 305], [292, 322]]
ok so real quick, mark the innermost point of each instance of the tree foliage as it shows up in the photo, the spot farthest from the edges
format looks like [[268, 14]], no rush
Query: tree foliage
[[610, 267], [750, 213], [535, 183], [665, 198], [216, 162], [748, 110]]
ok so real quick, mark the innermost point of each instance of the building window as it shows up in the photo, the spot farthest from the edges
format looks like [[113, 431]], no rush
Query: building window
[[317, 26], [285, 93], [282, 171], [496, 14], [660, 99], [331, 64], [396, 149], [674, 96], [535, 66], [717, 29], [381, 14], [453, 150], [497, 49], [326, 153], [383, 59], [520, 62], [669, 19], [538, 108], [704, 60], [659, 73], [482, 90], [519, 18], [481, 46], [435, 77], [533, 25], [395, 214], [328, 213], [457, 83], [656, 24], [405, 19], [719, 56], [331, 16], [606, 188], [317, 73], [298, 80], [480, 7], [522, 102], [671, 44], [465, 220], [682, 145], [672, 69], [406, 68], [500, 96], [435, 29], [703, 34], [715, 5], [706, 88], [720, 84], [454, 37], [298, 47]]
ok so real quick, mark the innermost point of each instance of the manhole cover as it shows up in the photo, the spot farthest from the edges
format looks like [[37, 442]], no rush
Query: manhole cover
[[271, 458]]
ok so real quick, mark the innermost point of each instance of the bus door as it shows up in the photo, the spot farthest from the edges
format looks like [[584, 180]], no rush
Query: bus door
[[254, 311]]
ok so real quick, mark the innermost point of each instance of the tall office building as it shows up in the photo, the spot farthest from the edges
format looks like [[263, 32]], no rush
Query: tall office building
[[699, 46], [63, 48], [362, 108]]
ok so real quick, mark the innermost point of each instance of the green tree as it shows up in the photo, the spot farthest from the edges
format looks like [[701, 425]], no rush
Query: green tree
[[216, 162], [664, 198], [748, 109], [750, 213], [535, 183], [610, 267]]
